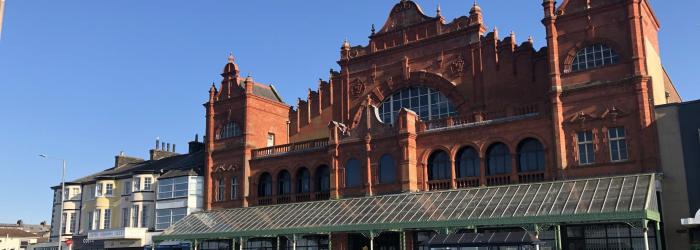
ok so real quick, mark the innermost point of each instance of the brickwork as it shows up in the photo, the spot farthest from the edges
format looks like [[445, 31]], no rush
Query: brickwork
[[502, 90]]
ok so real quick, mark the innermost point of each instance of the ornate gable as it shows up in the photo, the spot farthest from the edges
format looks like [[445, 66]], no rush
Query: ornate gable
[[404, 14]]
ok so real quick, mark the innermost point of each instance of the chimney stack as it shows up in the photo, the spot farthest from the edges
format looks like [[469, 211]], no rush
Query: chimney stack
[[164, 151], [121, 159], [195, 145]]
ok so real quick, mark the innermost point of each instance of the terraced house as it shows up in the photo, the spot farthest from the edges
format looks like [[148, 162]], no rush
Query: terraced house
[[123, 206], [442, 134]]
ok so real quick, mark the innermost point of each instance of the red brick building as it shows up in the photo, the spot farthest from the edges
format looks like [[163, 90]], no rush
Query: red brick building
[[431, 105], [475, 98]]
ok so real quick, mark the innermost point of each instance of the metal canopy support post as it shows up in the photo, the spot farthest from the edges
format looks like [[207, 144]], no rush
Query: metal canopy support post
[[277, 244], [195, 245], [645, 232], [657, 231], [294, 242], [240, 243], [537, 235], [403, 240], [233, 244], [371, 240], [557, 237], [330, 241]]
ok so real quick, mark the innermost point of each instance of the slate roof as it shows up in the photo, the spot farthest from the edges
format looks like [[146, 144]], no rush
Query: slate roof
[[16, 233], [174, 166], [265, 91]]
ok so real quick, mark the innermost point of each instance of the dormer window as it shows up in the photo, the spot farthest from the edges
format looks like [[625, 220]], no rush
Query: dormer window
[[231, 129], [593, 56]]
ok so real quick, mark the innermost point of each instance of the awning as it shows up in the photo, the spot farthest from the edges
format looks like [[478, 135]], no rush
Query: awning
[[620, 198], [483, 239]]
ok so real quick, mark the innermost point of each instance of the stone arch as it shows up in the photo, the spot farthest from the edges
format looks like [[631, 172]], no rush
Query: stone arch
[[426, 154], [418, 78], [571, 52]]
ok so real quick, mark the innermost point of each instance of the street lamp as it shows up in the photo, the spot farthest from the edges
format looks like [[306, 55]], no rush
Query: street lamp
[[63, 195]]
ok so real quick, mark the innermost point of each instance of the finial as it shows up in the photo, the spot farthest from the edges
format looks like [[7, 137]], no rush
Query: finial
[[439, 10], [530, 40], [373, 30], [512, 35], [475, 8], [346, 44], [230, 57]]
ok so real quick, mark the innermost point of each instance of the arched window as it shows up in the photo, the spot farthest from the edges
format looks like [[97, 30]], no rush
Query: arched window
[[427, 103], [439, 166], [303, 181], [265, 185], [530, 156], [387, 169], [234, 188], [284, 183], [594, 56], [498, 160], [229, 130], [467, 163], [353, 178], [323, 179]]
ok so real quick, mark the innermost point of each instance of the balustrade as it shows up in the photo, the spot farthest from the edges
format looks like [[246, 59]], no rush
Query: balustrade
[[467, 182], [498, 180], [290, 148], [530, 177], [439, 184]]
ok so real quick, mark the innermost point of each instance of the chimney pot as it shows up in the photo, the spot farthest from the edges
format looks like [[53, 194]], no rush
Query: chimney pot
[[157, 142], [173, 148], [162, 146], [168, 145]]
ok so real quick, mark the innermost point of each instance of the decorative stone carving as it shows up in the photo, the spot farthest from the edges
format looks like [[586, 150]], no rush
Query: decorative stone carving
[[457, 67], [357, 88]]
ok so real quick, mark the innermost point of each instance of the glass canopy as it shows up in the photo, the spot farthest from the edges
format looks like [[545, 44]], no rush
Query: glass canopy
[[622, 198]]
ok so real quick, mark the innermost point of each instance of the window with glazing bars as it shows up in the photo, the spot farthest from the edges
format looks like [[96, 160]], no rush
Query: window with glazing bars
[[108, 219], [618, 144], [172, 188], [234, 188], [594, 56], [429, 104], [166, 217], [586, 154], [229, 130], [220, 189]]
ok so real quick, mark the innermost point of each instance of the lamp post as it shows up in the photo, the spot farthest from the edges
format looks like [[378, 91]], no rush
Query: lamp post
[[63, 195]]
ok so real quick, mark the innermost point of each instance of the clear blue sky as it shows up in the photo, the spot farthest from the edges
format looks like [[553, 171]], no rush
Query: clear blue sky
[[86, 79]]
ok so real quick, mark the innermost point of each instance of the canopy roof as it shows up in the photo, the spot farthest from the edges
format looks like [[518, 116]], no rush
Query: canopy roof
[[620, 198], [483, 239]]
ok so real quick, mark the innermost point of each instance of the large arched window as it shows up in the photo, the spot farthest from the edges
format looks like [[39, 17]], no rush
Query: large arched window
[[498, 160], [303, 181], [265, 185], [229, 130], [284, 183], [387, 169], [467, 162], [323, 179], [594, 56], [530, 156], [427, 103], [353, 178], [439, 166]]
